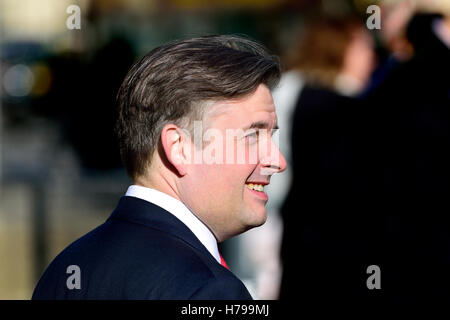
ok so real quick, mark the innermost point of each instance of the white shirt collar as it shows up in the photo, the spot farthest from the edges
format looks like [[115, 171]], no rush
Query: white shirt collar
[[179, 210]]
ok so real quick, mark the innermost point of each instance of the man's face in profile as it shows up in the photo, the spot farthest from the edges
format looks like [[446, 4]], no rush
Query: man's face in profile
[[225, 190]]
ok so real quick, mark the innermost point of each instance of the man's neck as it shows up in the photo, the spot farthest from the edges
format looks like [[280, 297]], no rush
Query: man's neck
[[157, 182]]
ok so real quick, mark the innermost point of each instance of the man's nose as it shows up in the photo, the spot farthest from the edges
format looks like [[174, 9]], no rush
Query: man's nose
[[273, 161], [282, 164]]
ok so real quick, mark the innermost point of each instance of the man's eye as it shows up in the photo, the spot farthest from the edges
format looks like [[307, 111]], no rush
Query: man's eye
[[252, 137]]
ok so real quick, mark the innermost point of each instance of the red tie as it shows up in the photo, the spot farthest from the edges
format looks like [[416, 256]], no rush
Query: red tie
[[222, 262]]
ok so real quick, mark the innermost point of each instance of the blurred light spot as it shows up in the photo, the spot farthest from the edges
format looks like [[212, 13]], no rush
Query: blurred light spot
[[43, 79], [18, 80], [34, 20]]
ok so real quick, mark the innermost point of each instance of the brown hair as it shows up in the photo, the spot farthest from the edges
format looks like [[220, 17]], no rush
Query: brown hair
[[172, 82], [319, 53]]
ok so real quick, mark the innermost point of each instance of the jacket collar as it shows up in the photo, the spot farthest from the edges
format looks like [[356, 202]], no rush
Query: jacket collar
[[142, 212]]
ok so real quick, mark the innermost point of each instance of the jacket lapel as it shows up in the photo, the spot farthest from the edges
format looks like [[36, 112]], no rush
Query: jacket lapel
[[142, 212]]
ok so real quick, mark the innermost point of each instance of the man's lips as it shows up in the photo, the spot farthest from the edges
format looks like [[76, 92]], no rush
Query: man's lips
[[264, 183], [257, 189]]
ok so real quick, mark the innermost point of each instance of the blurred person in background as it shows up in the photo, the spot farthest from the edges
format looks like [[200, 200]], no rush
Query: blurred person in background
[[333, 61], [371, 175], [411, 134], [321, 251]]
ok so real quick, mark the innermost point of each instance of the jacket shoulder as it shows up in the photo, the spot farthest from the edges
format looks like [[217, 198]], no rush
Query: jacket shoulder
[[121, 260]]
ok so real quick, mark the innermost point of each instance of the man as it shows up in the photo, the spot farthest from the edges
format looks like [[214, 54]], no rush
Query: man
[[161, 240]]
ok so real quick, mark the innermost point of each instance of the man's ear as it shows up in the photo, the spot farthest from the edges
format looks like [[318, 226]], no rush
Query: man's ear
[[176, 145]]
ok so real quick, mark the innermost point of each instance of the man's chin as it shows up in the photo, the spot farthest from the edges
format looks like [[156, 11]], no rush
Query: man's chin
[[250, 219], [257, 218]]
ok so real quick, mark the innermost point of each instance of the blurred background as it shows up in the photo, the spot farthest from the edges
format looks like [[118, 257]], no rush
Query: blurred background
[[60, 170]]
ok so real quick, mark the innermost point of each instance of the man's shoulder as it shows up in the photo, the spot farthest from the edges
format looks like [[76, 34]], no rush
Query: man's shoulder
[[123, 260]]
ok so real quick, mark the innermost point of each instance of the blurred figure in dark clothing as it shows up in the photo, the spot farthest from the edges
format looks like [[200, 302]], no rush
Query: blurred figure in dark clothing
[[411, 133], [413, 102], [82, 100], [323, 244], [371, 184], [91, 122]]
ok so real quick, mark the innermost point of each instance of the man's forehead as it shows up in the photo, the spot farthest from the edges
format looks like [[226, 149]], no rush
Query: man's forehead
[[258, 106], [243, 116]]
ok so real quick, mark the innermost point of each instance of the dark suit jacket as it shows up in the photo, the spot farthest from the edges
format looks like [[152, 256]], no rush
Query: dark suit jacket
[[140, 252], [325, 216]]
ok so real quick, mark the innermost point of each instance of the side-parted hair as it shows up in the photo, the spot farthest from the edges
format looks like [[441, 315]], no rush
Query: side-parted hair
[[173, 82]]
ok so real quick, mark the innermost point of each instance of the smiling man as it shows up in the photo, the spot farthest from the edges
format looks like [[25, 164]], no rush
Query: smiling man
[[188, 193]]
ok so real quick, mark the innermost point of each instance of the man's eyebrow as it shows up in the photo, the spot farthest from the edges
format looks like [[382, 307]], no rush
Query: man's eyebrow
[[262, 125]]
